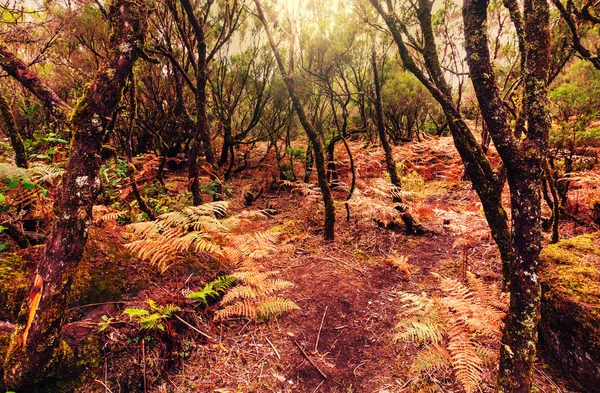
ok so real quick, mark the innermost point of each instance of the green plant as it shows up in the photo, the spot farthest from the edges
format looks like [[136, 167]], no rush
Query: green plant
[[153, 319], [104, 323], [212, 290]]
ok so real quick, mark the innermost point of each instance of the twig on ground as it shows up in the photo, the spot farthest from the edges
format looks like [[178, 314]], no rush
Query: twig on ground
[[309, 359], [273, 346], [193, 327], [320, 328], [318, 386]]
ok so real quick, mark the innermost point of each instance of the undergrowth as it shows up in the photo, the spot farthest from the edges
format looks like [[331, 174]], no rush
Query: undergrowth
[[459, 330]]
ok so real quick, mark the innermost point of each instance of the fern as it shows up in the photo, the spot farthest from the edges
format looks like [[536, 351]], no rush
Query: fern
[[153, 319], [212, 290], [262, 309], [460, 329], [197, 230], [254, 298]]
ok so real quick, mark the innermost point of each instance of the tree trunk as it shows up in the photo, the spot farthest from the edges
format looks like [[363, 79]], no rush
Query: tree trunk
[[13, 133], [127, 143], [28, 78], [313, 136], [201, 131], [33, 344], [524, 171], [389, 158]]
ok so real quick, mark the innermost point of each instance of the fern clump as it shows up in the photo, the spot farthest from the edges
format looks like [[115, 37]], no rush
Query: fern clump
[[198, 230], [153, 319], [459, 330], [254, 298]]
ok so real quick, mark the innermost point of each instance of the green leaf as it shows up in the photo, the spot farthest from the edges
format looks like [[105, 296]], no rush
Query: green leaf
[[51, 152], [13, 183], [28, 185], [3, 246], [2, 198], [135, 312]]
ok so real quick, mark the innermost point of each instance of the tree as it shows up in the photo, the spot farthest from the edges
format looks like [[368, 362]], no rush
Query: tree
[[37, 336], [229, 18], [522, 158], [313, 136]]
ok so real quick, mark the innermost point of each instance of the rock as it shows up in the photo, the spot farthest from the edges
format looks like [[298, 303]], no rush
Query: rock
[[570, 325]]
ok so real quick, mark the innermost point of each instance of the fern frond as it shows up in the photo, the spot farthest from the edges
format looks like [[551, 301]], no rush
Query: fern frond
[[212, 290], [467, 365], [244, 309], [422, 333], [13, 172], [135, 312], [432, 358], [248, 292], [217, 208], [272, 306], [46, 173], [263, 309]]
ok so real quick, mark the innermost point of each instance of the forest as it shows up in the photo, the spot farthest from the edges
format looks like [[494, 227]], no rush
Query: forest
[[300, 196]]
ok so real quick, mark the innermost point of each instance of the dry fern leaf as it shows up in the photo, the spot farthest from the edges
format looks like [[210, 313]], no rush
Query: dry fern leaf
[[466, 363], [257, 308], [13, 171], [248, 292], [432, 358]]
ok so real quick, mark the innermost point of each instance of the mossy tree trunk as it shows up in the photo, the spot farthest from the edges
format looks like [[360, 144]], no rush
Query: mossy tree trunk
[[311, 132], [201, 133], [17, 69], [524, 170], [15, 138], [33, 346]]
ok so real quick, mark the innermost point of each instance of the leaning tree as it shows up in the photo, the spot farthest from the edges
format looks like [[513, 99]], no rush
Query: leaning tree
[[38, 334]]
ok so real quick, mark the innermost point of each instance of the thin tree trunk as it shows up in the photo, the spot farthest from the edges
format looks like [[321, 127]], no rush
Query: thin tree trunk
[[201, 131], [34, 342], [328, 228], [412, 226], [129, 150], [15, 138]]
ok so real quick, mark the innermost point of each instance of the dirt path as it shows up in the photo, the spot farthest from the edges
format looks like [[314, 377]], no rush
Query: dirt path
[[356, 347], [346, 285]]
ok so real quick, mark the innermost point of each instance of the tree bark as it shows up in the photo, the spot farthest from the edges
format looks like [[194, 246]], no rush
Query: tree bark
[[34, 342], [311, 132], [16, 68], [15, 138], [524, 171]]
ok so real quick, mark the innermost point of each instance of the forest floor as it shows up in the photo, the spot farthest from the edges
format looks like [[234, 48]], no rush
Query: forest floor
[[343, 337]]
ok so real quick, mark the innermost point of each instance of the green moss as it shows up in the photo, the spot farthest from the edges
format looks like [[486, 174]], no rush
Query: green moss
[[573, 267], [100, 275], [14, 285]]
